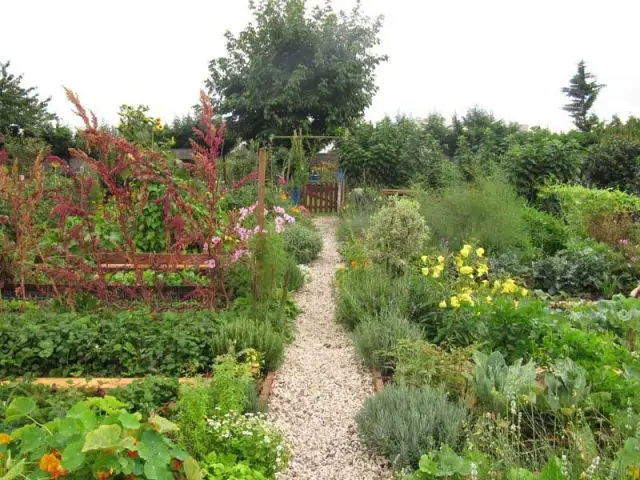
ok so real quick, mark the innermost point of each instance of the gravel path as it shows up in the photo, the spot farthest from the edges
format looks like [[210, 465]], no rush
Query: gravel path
[[319, 390]]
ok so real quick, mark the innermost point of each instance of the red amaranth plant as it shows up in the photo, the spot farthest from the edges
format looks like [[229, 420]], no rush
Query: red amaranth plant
[[122, 180]]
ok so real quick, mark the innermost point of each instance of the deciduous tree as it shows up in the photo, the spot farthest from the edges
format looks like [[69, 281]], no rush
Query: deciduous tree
[[296, 68], [20, 105]]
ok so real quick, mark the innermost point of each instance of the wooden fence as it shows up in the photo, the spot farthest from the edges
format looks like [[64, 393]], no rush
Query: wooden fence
[[323, 197]]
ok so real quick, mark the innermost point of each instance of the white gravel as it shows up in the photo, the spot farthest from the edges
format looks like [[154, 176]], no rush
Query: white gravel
[[321, 387]]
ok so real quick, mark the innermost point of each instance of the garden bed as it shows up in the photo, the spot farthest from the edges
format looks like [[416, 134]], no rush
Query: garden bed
[[103, 383]]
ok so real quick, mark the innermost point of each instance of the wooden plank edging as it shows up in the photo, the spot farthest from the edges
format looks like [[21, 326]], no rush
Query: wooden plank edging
[[105, 383], [378, 384]]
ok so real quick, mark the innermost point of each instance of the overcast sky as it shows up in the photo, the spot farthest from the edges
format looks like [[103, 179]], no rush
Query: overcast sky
[[509, 56]]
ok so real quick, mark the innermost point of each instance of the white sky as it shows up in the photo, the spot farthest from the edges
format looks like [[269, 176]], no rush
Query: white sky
[[509, 56]]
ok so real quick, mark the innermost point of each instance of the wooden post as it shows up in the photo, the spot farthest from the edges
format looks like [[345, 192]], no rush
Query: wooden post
[[262, 173]]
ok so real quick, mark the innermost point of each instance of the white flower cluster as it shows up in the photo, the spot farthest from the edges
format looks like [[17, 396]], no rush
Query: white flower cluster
[[306, 272], [250, 426]]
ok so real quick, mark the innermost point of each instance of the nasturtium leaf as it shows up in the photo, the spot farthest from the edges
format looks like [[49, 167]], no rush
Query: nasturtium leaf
[[103, 437], [68, 427], [152, 446], [33, 438], [15, 471], [192, 469], [129, 421], [161, 424], [156, 470], [126, 464], [72, 456], [20, 407]]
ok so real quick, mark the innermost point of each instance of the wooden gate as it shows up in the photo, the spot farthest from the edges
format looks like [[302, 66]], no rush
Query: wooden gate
[[321, 197]]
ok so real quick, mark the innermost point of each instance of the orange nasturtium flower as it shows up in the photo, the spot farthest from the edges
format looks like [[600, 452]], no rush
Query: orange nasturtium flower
[[50, 462], [5, 439], [104, 475]]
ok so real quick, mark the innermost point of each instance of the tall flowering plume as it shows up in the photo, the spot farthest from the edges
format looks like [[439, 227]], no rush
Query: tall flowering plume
[[208, 143]]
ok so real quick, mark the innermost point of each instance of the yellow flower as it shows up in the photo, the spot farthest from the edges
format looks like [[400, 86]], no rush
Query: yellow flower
[[284, 196], [425, 271], [509, 286], [440, 259], [480, 252], [482, 269], [524, 292], [466, 250], [485, 282], [496, 285], [466, 270], [455, 302], [466, 297], [424, 259], [459, 262], [443, 304], [437, 270], [516, 303], [488, 299], [5, 439]]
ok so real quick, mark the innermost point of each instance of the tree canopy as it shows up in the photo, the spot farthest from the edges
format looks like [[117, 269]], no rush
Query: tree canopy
[[294, 68], [582, 91], [20, 105]]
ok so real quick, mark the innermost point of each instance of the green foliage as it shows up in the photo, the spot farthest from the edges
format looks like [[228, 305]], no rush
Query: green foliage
[[181, 130], [299, 163], [226, 392], [577, 205], [59, 138], [582, 91], [620, 315], [417, 362], [375, 335], [301, 242], [24, 150], [150, 233], [149, 394], [513, 329], [583, 267], [487, 211], [546, 233], [538, 157], [127, 343], [51, 403], [401, 423], [397, 234], [394, 154], [496, 384], [601, 356], [614, 163], [245, 439], [240, 333], [220, 467], [443, 463], [193, 405], [567, 387], [20, 105], [355, 216], [367, 292], [295, 276], [291, 69], [95, 436]]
